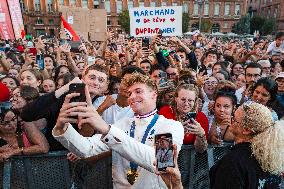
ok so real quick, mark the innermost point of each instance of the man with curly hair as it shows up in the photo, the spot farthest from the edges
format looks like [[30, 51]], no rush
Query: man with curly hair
[[131, 140]]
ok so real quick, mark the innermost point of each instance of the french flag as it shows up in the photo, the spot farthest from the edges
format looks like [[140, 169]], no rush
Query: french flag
[[69, 30]]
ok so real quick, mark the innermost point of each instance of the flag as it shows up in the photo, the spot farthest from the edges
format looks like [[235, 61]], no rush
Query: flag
[[69, 30], [23, 33]]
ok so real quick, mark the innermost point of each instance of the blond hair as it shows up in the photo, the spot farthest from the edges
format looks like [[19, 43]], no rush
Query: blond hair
[[267, 139], [139, 78], [189, 87]]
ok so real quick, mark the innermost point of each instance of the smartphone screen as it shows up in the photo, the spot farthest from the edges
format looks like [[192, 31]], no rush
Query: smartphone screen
[[191, 115], [40, 61], [164, 151], [74, 46], [78, 88], [163, 81], [145, 42]]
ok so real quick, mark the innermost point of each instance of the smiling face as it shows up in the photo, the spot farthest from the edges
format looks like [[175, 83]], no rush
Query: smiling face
[[10, 83], [185, 101], [261, 95], [141, 98], [97, 82], [48, 63], [29, 79], [18, 102], [210, 85]]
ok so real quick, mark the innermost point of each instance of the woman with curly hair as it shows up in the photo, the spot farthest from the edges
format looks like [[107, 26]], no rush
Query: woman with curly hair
[[257, 159]]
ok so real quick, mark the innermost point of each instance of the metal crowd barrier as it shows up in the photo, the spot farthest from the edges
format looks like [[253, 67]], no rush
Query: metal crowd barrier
[[53, 170]]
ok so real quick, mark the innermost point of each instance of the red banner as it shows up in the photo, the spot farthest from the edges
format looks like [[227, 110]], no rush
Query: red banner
[[69, 30], [16, 17], [6, 28]]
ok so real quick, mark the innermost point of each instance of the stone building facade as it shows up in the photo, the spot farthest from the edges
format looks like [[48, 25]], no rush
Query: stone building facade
[[221, 13], [269, 9], [41, 17]]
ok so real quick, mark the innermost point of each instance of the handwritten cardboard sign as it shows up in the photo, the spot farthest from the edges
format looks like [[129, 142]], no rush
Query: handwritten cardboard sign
[[146, 21]]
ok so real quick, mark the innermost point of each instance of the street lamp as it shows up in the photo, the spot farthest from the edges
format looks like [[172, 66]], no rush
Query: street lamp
[[200, 3]]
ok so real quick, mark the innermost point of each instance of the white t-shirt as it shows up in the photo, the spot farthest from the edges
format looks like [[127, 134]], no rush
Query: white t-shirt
[[115, 112], [275, 50]]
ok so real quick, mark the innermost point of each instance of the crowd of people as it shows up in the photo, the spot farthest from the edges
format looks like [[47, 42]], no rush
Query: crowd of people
[[201, 89]]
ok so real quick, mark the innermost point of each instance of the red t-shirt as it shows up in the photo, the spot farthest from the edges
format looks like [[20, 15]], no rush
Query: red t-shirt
[[201, 118]]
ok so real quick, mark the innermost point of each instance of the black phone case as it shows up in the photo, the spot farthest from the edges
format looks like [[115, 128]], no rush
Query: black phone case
[[78, 88]]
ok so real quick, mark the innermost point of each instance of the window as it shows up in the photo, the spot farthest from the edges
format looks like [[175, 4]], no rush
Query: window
[[72, 2], [85, 3], [195, 9], [61, 2], [96, 4], [185, 8], [268, 12], [216, 9], [174, 4], [206, 9], [225, 25], [108, 21], [141, 4], [227, 9], [119, 6], [276, 11], [237, 9], [39, 21], [164, 4], [107, 6], [49, 5], [153, 4], [37, 5], [130, 4], [51, 21]]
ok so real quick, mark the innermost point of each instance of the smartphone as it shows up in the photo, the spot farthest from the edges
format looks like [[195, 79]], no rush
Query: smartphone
[[74, 46], [32, 50], [177, 57], [163, 80], [91, 60], [160, 33], [40, 61], [145, 42], [164, 151], [78, 88], [191, 115]]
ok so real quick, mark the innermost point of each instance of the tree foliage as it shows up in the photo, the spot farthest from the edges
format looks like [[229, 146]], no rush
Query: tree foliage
[[243, 26], [257, 23], [206, 25], [124, 20], [185, 22]]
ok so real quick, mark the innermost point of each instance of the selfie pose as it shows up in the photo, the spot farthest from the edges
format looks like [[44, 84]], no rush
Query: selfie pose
[[130, 139]]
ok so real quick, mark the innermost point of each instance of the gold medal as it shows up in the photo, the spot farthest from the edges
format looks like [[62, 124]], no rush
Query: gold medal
[[132, 176]]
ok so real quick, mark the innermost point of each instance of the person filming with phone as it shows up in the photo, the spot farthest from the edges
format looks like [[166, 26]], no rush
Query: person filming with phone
[[131, 140], [183, 109]]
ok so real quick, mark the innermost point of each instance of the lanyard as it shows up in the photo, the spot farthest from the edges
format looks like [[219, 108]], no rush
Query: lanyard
[[134, 166]]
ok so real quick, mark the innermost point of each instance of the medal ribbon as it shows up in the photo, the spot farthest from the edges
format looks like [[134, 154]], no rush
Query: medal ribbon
[[133, 165]]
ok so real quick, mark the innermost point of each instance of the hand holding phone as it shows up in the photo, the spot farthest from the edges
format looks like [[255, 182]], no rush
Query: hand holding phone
[[164, 151], [78, 88]]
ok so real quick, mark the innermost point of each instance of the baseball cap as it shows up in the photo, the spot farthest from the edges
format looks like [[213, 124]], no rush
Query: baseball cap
[[280, 75]]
